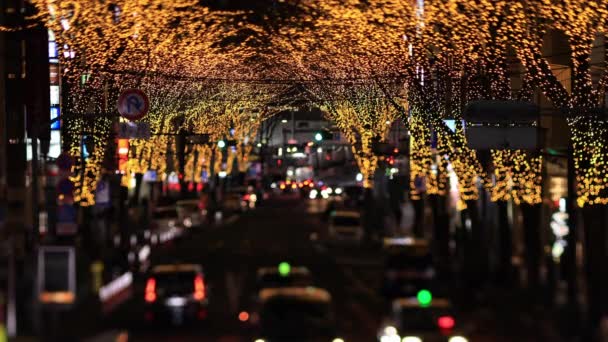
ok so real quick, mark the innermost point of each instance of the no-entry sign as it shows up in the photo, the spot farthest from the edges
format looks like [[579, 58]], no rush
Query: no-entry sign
[[133, 104]]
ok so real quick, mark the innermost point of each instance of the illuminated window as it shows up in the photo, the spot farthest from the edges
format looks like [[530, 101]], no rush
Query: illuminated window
[[54, 95], [52, 49], [55, 115]]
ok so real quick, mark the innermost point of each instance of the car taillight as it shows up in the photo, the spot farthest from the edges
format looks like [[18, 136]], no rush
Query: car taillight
[[199, 288], [246, 197], [446, 322], [150, 295]]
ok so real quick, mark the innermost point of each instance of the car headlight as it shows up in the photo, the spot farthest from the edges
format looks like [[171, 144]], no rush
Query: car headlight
[[188, 222], [337, 339], [457, 339], [390, 330], [411, 339], [389, 334], [390, 338]]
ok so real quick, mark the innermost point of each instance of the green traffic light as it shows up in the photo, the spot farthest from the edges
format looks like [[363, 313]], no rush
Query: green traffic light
[[284, 269], [424, 297], [221, 144], [318, 136]]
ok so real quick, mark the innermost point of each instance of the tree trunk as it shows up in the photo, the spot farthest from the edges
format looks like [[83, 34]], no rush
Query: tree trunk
[[505, 268], [477, 258], [532, 243], [594, 219], [370, 215], [419, 217], [138, 181], [441, 227]]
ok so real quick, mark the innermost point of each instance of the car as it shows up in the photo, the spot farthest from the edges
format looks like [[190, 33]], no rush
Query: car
[[408, 267], [249, 199], [191, 213], [421, 319], [296, 314], [165, 217], [176, 293], [345, 225], [232, 202], [292, 276]]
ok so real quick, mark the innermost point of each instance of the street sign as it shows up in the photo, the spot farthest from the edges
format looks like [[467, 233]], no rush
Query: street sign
[[56, 275], [66, 220], [133, 104], [134, 130], [501, 112], [102, 194], [510, 138]]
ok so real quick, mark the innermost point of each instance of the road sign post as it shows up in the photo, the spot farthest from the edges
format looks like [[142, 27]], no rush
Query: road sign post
[[133, 130]]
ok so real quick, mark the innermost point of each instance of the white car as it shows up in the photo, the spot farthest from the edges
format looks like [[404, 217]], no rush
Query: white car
[[345, 225], [419, 319], [190, 214]]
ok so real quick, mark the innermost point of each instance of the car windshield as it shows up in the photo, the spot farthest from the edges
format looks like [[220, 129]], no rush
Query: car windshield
[[188, 207], [165, 214], [175, 283], [420, 319], [346, 221], [292, 317], [407, 261], [277, 280]]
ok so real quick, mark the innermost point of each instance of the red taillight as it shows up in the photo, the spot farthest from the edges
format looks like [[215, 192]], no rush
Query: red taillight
[[150, 295], [446, 322], [246, 197], [199, 288]]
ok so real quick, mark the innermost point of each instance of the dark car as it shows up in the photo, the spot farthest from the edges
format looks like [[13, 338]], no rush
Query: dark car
[[296, 314], [408, 267], [409, 321], [176, 293], [270, 277]]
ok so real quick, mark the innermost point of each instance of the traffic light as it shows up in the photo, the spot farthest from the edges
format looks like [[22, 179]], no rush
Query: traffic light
[[323, 135], [424, 297], [284, 269]]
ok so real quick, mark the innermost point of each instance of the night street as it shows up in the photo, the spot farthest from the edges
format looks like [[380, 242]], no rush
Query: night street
[[304, 170], [281, 231]]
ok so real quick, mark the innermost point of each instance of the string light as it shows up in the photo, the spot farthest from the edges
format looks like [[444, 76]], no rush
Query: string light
[[205, 68]]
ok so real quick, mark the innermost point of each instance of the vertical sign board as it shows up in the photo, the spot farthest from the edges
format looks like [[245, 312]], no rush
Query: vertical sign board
[[102, 194], [56, 275], [66, 220]]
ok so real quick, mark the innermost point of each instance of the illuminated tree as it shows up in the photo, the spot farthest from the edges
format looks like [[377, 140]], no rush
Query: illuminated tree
[[582, 22]]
